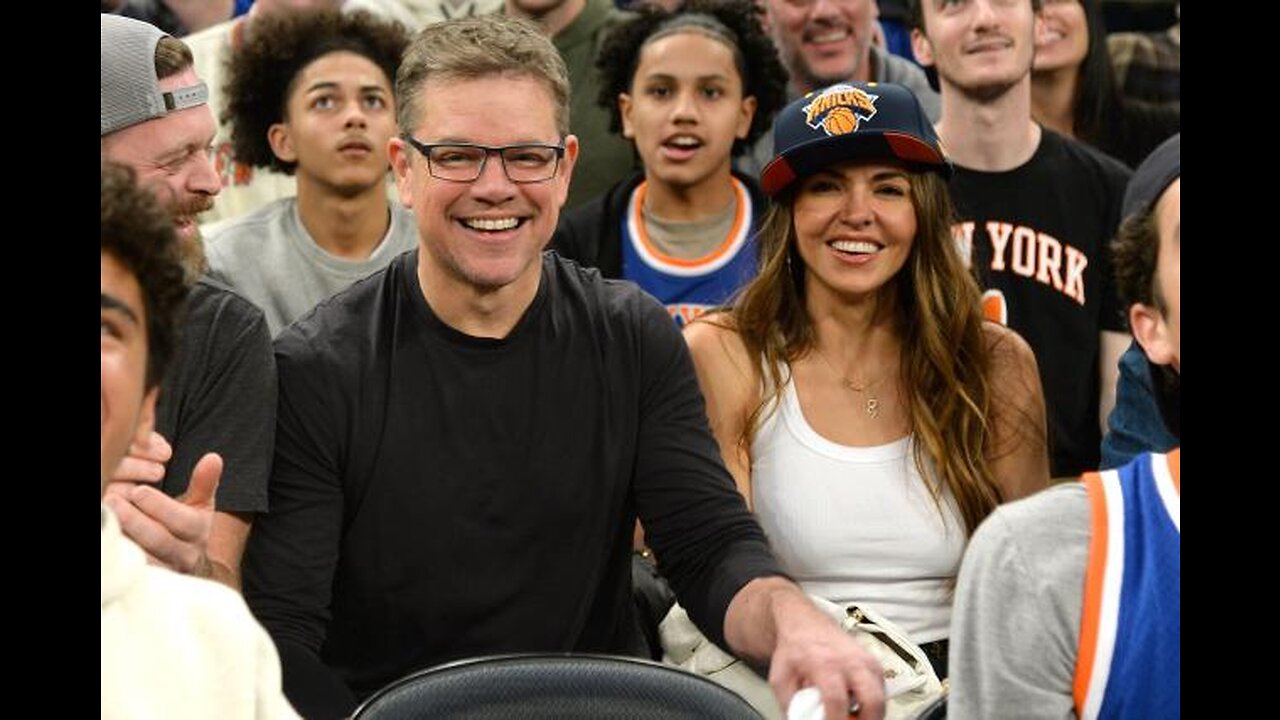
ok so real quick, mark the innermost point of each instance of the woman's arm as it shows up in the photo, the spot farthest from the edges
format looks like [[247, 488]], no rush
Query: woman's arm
[[1019, 454], [728, 384]]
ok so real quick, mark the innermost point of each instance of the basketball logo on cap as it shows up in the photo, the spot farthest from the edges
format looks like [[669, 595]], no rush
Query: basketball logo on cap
[[840, 109]]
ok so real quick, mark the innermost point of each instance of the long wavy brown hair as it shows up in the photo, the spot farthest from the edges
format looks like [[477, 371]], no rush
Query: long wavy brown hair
[[946, 362]]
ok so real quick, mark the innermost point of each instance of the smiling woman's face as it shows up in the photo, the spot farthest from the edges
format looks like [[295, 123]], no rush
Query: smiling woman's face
[[1062, 36], [855, 224]]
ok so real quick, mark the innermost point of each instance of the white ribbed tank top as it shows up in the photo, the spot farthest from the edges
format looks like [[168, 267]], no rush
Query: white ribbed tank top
[[855, 524]]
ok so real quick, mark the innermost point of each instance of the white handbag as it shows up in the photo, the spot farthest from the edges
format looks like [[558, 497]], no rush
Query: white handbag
[[910, 681]]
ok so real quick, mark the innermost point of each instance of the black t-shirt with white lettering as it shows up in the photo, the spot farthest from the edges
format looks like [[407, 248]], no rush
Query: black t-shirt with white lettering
[[1039, 238]]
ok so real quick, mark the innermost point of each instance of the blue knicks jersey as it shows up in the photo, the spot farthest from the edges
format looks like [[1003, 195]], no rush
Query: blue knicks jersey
[[689, 287], [1130, 659]]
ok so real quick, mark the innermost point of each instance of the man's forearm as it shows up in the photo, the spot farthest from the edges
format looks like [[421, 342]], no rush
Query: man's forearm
[[771, 621], [225, 550], [750, 624], [223, 574]]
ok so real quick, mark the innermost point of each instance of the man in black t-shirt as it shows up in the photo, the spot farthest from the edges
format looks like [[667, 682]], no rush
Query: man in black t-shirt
[[467, 437], [215, 417], [1036, 213]]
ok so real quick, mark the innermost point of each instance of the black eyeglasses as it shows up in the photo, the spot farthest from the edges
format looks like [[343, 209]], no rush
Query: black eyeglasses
[[463, 162]]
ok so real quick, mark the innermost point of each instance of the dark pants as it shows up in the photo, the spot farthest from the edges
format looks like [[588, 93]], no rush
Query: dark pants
[[653, 598], [936, 651]]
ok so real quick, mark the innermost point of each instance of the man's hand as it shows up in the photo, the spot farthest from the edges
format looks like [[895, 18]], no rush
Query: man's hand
[[145, 461], [771, 617], [173, 531]]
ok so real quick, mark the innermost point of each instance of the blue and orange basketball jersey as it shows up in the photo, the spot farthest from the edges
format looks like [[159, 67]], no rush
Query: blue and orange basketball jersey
[[1130, 659], [689, 288]]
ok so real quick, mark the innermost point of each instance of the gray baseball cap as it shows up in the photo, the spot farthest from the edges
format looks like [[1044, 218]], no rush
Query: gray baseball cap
[[130, 91]]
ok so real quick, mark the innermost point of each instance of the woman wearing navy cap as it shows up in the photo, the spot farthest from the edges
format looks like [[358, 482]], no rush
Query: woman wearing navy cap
[[867, 412]]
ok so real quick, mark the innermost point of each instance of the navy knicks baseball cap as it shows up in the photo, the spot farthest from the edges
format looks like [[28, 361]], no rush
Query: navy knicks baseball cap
[[848, 121]]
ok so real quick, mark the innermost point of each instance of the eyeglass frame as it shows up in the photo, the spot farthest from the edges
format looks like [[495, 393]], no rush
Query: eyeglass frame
[[426, 148]]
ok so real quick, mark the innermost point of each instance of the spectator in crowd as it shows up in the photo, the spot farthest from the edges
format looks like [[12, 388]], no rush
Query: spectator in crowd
[[689, 88], [216, 413], [172, 646], [482, 421], [1036, 211], [310, 95], [865, 409], [1069, 603], [1073, 91]]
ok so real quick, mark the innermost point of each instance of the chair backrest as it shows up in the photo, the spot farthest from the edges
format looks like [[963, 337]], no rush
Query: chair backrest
[[533, 686]]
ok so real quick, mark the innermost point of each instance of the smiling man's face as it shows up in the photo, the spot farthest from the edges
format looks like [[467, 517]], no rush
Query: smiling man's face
[[487, 233], [171, 157], [822, 41], [980, 48]]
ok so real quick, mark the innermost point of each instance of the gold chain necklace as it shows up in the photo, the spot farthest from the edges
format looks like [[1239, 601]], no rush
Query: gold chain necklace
[[872, 405]]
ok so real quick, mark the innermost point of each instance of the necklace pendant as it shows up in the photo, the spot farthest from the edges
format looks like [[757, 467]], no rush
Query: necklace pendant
[[873, 407]]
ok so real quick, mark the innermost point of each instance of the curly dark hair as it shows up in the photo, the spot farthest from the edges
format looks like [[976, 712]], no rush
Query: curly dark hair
[[138, 232], [757, 58], [260, 76], [1133, 260]]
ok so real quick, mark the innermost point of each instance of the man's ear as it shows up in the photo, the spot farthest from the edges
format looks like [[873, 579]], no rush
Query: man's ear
[[921, 47], [398, 152], [571, 149], [1152, 332], [281, 144]]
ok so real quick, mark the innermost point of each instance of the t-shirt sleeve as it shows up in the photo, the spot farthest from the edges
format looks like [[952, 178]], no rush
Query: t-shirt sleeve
[[292, 553], [705, 539], [232, 409], [1015, 622]]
